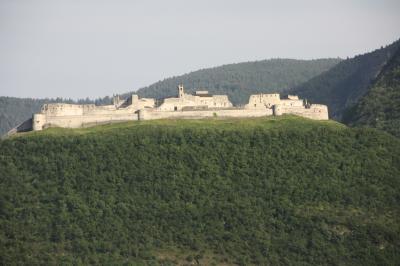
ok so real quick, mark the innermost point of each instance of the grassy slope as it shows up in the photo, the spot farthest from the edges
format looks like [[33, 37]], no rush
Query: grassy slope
[[279, 191], [268, 123]]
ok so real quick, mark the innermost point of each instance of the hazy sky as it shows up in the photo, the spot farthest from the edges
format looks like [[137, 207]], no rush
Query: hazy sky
[[96, 48]]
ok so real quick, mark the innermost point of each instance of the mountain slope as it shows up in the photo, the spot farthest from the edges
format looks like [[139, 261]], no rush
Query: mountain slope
[[14, 111], [266, 191], [241, 80], [380, 107], [345, 83]]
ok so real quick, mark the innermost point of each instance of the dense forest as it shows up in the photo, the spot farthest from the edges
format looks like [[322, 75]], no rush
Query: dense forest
[[241, 80], [380, 107], [344, 84], [237, 80], [266, 191]]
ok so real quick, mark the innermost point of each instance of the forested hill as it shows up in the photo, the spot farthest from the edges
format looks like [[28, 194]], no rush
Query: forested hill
[[380, 107], [265, 191], [344, 84], [241, 80]]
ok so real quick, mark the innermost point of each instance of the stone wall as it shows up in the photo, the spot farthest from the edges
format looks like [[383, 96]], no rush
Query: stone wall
[[291, 105], [201, 98], [82, 121], [263, 100], [149, 114], [315, 111]]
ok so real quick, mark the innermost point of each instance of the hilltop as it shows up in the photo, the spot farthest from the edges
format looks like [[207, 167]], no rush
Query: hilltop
[[238, 81], [380, 107], [266, 191]]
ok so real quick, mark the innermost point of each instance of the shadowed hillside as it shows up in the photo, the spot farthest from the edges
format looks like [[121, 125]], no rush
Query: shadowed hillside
[[266, 191], [380, 107], [344, 84]]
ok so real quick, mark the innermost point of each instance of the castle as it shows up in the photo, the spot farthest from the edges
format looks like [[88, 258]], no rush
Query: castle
[[199, 105]]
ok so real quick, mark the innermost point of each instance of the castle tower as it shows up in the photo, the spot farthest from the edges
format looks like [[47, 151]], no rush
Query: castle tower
[[116, 101], [38, 121], [181, 93], [277, 110]]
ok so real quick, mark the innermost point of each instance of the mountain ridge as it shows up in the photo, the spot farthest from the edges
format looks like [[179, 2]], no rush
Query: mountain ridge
[[270, 75], [345, 83], [380, 106]]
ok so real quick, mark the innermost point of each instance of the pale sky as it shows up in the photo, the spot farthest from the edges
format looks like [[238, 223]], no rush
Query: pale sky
[[94, 48]]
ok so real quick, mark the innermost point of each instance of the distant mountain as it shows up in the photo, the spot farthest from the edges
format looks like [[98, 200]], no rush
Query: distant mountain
[[241, 80], [237, 80], [380, 107], [345, 83]]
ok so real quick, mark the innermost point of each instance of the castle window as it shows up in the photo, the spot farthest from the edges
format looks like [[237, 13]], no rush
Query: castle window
[[175, 108]]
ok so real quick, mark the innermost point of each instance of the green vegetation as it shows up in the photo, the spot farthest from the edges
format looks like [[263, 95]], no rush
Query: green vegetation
[[241, 80], [344, 84], [266, 191], [380, 107]]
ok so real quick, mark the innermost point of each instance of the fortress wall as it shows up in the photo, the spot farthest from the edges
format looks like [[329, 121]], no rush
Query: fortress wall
[[292, 102], [144, 102], [221, 101], [169, 104], [61, 109], [316, 112], [187, 106], [216, 101], [293, 97], [105, 110], [262, 100], [154, 114], [135, 103], [79, 121], [87, 109]]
